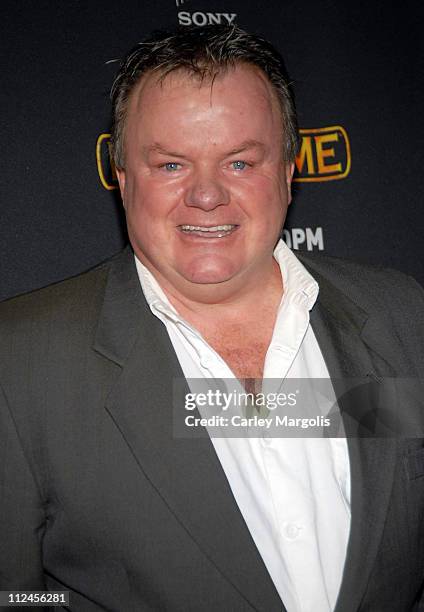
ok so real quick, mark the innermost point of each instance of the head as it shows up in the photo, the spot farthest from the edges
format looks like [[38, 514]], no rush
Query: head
[[204, 140], [202, 53]]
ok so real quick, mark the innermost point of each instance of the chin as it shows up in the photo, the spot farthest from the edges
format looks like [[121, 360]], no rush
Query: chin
[[209, 274], [209, 278]]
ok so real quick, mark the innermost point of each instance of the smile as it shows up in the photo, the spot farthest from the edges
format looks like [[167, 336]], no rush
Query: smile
[[215, 231]]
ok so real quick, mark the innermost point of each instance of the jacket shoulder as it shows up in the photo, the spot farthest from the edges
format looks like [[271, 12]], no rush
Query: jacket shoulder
[[373, 288], [73, 295]]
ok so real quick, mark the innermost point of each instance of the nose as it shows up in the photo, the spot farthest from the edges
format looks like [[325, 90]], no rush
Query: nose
[[206, 191]]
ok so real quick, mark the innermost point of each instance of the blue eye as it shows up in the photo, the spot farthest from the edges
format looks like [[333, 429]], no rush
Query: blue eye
[[171, 166], [239, 165]]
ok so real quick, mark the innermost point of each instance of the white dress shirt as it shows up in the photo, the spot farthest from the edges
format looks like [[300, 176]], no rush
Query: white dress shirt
[[293, 493]]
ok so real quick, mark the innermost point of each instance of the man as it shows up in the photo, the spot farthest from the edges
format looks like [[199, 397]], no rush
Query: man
[[99, 496]]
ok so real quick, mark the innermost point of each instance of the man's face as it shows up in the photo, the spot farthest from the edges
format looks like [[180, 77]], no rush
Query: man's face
[[205, 188]]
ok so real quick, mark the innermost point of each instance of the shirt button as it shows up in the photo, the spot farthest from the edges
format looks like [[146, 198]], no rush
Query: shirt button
[[205, 362], [266, 441], [291, 531]]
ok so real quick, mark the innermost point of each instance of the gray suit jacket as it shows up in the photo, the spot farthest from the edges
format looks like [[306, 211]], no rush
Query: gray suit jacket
[[98, 498]]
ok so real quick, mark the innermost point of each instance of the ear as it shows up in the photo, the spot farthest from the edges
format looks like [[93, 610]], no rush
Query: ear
[[289, 170], [121, 180]]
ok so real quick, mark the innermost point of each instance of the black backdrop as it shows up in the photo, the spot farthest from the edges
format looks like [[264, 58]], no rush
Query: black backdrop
[[359, 81]]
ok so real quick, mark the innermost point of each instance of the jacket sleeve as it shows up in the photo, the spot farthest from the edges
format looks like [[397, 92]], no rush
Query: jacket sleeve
[[22, 516]]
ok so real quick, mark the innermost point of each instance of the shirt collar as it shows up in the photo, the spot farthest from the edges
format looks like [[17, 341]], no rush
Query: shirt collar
[[154, 294], [299, 285]]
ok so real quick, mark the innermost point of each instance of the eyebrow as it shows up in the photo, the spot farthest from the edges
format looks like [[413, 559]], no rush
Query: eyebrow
[[158, 148], [243, 146]]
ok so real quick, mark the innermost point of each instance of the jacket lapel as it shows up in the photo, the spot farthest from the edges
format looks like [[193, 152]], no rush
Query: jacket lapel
[[353, 346], [186, 473]]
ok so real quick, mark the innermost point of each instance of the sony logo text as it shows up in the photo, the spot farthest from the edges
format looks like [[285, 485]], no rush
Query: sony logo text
[[201, 19]]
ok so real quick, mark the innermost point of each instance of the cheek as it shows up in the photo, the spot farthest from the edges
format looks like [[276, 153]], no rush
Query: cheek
[[263, 199], [149, 201]]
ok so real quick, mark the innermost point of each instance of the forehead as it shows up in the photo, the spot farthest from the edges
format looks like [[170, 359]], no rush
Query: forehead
[[243, 87]]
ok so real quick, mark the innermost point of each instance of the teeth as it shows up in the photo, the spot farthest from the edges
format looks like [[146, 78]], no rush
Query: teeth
[[198, 228]]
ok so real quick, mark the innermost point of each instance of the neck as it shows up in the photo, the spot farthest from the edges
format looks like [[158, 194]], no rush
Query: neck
[[239, 304]]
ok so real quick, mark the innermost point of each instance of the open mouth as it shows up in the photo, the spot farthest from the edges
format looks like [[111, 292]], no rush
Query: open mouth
[[214, 231]]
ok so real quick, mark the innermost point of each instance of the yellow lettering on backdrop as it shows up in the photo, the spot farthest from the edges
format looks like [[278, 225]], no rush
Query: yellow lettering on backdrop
[[323, 153], [305, 152]]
